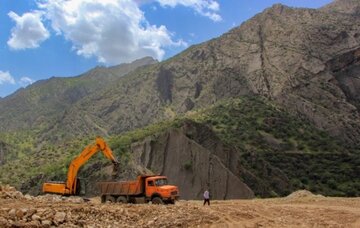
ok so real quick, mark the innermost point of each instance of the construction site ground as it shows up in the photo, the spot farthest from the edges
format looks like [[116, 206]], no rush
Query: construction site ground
[[301, 209]]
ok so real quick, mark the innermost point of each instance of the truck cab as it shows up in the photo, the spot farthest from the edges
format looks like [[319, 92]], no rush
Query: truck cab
[[158, 191]]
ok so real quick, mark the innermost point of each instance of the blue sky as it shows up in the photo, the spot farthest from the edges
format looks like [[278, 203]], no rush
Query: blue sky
[[42, 38]]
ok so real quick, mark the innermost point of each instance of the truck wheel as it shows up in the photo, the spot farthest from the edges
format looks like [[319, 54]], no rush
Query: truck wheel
[[110, 199], [103, 199], [157, 200], [121, 199]]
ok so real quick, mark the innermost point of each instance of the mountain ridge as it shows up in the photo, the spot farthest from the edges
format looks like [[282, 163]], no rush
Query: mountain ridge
[[58, 93], [303, 61]]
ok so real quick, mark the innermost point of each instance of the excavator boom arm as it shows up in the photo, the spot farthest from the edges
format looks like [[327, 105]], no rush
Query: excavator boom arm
[[69, 188]]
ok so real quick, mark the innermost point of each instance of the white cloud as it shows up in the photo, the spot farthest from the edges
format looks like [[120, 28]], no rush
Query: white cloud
[[114, 31], [207, 8], [25, 81], [5, 77], [28, 32]]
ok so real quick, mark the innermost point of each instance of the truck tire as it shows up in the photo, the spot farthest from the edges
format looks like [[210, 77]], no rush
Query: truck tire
[[103, 199], [110, 199], [171, 202], [157, 200], [121, 199]]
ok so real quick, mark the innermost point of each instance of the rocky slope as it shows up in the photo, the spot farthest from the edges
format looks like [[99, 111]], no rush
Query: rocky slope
[[305, 61], [44, 103], [192, 165], [341, 6]]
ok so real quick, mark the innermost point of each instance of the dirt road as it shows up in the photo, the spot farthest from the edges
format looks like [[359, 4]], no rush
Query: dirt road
[[309, 212], [298, 211]]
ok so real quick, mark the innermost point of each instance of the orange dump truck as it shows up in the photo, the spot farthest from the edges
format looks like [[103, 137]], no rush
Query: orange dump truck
[[144, 189]]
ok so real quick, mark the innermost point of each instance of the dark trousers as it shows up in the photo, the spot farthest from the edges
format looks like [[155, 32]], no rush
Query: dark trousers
[[207, 200]]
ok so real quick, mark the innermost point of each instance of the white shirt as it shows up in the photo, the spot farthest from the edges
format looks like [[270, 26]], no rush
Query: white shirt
[[206, 194]]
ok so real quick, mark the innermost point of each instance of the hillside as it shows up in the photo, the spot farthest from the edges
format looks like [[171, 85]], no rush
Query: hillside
[[239, 148], [45, 102], [271, 106]]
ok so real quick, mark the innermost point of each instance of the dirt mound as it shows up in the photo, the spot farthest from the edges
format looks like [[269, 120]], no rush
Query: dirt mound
[[57, 198], [17, 210], [9, 192], [302, 194], [103, 215]]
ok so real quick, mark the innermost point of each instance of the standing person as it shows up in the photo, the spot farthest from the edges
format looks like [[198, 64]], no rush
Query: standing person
[[206, 197]]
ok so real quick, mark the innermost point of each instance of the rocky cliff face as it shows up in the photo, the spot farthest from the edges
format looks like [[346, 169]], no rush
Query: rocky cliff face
[[304, 59], [193, 165]]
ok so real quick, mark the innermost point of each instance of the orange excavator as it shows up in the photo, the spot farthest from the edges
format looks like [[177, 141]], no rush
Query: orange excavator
[[72, 184]]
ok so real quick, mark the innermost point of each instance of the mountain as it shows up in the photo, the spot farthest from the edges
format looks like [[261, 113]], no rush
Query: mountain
[[43, 103], [343, 6], [304, 62]]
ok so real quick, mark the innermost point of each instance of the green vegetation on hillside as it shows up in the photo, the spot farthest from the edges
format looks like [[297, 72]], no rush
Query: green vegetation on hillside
[[256, 125], [266, 134], [310, 158], [271, 142]]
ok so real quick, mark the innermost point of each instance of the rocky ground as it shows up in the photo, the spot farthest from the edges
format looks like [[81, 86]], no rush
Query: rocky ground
[[300, 209]]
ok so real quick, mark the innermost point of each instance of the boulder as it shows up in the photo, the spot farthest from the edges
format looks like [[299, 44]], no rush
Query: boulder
[[59, 217]]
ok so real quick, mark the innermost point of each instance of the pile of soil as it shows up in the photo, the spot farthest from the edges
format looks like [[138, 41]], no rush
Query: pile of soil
[[55, 211], [17, 210], [9, 192], [302, 194]]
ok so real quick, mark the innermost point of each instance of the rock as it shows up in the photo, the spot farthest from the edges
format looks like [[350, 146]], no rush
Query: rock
[[59, 217], [49, 198], [34, 223], [3, 222], [12, 213], [17, 195], [28, 197], [30, 212], [40, 211], [46, 223], [36, 217], [10, 189], [73, 199], [20, 213], [8, 192]]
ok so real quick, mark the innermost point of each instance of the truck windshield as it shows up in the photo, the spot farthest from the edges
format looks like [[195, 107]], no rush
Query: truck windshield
[[161, 182]]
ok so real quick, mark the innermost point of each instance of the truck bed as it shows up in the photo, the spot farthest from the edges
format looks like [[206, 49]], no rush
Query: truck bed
[[131, 188]]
